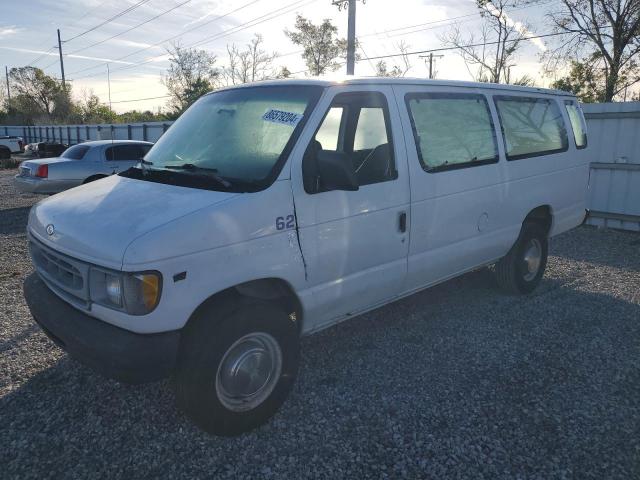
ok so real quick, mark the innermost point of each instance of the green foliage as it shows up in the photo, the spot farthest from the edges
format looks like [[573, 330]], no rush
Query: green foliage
[[284, 72], [93, 111], [585, 81], [135, 116], [36, 96], [382, 70], [321, 46], [605, 38], [191, 74]]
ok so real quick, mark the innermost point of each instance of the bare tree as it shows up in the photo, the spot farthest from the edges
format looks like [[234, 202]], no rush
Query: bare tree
[[191, 74], [602, 34], [398, 70], [249, 65], [3, 92], [488, 54]]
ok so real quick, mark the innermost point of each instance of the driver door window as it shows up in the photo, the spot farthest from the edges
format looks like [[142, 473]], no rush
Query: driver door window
[[356, 127]]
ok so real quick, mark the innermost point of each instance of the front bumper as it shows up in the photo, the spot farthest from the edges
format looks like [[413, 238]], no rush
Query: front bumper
[[112, 351]]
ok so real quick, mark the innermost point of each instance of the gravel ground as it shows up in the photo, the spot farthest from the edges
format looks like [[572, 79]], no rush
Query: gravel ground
[[459, 381]]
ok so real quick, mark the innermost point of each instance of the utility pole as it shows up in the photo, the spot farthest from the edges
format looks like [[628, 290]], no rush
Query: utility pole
[[6, 73], [508, 74], [109, 85], [430, 58], [350, 5], [64, 84]]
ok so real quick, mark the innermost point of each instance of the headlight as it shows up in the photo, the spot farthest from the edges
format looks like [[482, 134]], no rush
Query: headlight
[[141, 292], [135, 293]]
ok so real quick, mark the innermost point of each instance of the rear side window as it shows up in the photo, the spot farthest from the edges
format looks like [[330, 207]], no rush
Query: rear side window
[[577, 123], [126, 152], [452, 131], [531, 126], [77, 152]]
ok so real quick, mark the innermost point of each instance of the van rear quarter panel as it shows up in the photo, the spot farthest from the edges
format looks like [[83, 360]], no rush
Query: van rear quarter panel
[[558, 180], [461, 219]]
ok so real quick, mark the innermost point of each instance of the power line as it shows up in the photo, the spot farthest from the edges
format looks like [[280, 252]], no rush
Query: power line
[[109, 20], [371, 34], [45, 54], [41, 56], [141, 99], [395, 55], [256, 21], [86, 14], [219, 17], [251, 23], [130, 29], [444, 49], [447, 21]]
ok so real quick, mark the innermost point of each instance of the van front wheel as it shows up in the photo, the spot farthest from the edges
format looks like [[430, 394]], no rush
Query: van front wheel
[[521, 270], [235, 372]]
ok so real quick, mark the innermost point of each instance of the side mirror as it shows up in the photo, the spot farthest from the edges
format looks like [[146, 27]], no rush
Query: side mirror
[[336, 171]]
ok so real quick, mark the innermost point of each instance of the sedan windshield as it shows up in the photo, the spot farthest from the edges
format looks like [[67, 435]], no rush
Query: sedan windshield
[[237, 136]]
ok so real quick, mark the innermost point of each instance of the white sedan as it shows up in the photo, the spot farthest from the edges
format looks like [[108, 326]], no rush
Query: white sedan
[[82, 163]]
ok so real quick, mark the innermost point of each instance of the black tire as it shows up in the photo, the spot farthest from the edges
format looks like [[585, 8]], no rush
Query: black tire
[[5, 153], [513, 273], [94, 178], [207, 341]]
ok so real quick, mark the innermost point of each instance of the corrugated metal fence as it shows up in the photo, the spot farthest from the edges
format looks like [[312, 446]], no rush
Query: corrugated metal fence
[[614, 148], [72, 134]]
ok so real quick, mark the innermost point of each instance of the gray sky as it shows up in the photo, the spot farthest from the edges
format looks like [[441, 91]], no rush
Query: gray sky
[[28, 33]]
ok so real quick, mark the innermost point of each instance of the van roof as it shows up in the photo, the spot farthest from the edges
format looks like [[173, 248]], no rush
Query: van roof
[[354, 80]]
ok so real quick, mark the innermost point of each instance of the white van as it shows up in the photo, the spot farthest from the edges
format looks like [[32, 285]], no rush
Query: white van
[[274, 210]]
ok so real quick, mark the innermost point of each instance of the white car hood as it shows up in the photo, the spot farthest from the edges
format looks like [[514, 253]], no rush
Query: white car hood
[[97, 221]]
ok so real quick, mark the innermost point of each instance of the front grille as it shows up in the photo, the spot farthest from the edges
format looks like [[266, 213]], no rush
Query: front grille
[[56, 267], [66, 276]]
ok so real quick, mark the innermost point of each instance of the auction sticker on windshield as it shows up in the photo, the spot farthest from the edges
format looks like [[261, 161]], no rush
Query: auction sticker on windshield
[[279, 116]]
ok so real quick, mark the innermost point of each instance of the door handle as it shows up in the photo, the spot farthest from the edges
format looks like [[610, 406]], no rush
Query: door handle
[[402, 222]]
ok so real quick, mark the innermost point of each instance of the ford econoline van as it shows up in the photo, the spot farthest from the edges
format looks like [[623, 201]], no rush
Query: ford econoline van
[[274, 210]]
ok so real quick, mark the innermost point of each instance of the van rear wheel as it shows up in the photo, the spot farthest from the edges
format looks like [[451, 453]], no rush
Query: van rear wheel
[[521, 270], [235, 372]]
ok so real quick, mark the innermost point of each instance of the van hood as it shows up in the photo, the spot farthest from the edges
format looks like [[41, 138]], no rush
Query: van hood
[[97, 221]]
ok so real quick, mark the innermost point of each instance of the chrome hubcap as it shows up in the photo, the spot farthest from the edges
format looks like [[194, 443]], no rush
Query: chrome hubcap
[[249, 371], [532, 259]]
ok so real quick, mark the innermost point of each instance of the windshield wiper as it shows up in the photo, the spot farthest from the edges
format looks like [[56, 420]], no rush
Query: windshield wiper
[[209, 172]]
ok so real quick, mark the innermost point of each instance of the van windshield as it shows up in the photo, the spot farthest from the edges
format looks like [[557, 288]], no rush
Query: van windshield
[[232, 137]]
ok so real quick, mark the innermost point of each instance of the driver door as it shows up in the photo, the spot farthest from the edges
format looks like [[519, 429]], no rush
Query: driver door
[[354, 243]]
